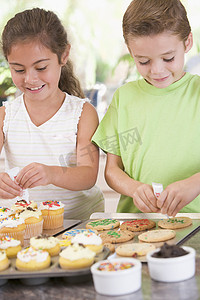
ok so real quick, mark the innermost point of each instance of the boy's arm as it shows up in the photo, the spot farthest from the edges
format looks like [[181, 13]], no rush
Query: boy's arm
[[81, 177], [117, 179]]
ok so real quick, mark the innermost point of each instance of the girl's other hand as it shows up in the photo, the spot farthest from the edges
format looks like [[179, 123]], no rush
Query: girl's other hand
[[179, 194], [33, 175], [8, 188], [144, 199]]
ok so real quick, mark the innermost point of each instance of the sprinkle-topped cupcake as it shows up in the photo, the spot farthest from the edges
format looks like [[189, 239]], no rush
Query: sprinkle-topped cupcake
[[4, 262], [5, 212], [21, 204], [32, 260], [89, 240], [10, 245], [13, 227], [53, 213], [47, 243], [33, 220]]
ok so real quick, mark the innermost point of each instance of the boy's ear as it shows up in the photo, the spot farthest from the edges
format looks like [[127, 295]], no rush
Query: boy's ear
[[189, 42], [65, 55]]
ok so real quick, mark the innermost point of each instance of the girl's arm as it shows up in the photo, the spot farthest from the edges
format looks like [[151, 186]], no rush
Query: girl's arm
[[117, 179], [8, 188], [81, 177]]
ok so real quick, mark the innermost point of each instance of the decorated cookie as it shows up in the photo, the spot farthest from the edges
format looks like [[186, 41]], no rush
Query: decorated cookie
[[154, 236], [116, 236], [69, 234], [175, 223], [134, 249], [137, 225], [110, 246], [103, 224]]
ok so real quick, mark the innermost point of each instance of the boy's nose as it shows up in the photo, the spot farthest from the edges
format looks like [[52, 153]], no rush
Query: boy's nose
[[156, 67]]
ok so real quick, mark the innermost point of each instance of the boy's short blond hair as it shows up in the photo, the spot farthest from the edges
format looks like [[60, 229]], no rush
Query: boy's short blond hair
[[149, 17]]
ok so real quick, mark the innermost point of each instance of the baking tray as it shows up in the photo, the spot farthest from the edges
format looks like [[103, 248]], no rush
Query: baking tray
[[39, 277], [182, 234]]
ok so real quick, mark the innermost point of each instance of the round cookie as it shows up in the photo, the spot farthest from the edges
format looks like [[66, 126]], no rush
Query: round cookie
[[175, 223], [69, 234], [134, 249], [110, 246], [103, 224], [154, 236], [138, 225], [116, 236]]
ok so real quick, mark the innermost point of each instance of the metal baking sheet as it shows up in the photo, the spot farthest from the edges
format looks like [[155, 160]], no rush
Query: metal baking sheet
[[53, 271]]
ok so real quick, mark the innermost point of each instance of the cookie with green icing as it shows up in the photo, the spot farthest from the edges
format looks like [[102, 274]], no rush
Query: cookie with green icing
[[103, 224], [116, 236], [175, 223]]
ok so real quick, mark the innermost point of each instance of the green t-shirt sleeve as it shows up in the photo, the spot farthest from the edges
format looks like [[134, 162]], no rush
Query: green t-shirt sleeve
[[106, 135]]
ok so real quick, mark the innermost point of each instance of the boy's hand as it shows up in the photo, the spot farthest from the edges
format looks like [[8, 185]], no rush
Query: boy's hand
[[144, 199], [178, 194], [8, 188], [33, 175]]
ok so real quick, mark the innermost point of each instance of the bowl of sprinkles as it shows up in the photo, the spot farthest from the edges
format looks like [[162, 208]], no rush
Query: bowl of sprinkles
[[117, 276]]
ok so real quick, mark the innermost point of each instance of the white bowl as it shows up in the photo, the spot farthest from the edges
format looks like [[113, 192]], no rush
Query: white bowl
[[120, 282], [172, 269]]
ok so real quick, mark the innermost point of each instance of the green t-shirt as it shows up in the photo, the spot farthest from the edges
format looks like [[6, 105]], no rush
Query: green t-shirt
[[156, 132]]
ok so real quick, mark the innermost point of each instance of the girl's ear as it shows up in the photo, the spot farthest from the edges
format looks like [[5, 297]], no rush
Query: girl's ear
[[65, 55], [189, 42]]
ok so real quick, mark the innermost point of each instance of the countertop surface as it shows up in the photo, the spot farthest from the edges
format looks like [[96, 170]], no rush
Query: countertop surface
[[60, 288]]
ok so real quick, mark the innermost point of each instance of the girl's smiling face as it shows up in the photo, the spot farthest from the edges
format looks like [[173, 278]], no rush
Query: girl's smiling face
[[35, 70], [160, 58]]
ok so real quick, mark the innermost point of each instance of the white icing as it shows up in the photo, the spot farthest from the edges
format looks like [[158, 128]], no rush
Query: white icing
[[4, 244], [87, 239], [29, 254], [6, 213], [75, 251], [44, 243], [26, 213], [10, 222], [53, 207]]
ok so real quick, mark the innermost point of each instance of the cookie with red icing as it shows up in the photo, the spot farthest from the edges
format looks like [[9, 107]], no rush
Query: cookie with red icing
[[137, 225]]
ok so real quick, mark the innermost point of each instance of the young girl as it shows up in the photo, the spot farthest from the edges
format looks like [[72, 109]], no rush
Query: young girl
[[151, 131], [47, 130]]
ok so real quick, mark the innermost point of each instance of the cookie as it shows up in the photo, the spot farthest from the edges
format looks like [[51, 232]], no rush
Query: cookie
[[110, 246], [154, 236], [116, 236], [175, 223], [103, 224], [138, 225], [134, 249], [69, 234]]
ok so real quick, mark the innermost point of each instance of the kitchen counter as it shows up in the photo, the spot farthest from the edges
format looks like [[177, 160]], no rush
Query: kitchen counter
[[58, 288]]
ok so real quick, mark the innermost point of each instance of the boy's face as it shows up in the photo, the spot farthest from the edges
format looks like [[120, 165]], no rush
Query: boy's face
[[160, 58]]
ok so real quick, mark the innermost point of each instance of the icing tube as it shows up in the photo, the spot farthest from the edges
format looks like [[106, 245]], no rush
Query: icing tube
[[157, 188], [13, 174]]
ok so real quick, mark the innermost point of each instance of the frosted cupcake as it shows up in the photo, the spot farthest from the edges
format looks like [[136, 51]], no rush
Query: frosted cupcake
[[6, 212], [76, 257], [32, 260], [48, 243], [4, 262], [22, 204], [33, 220], [53, 213], [10, 246], [89, 240], [13, 227]]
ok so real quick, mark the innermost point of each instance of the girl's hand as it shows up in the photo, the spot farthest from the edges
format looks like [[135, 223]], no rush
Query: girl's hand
[[144, 198], [178, 194], [8, 188], [33, 175]]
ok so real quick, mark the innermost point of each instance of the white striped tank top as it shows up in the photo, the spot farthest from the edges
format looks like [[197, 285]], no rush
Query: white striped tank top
[[52, 143]]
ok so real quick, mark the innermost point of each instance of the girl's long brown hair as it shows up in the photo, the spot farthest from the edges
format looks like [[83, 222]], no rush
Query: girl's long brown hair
[[45, 27]]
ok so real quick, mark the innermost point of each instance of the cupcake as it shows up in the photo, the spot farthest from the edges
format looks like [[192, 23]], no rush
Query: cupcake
[[32, 260], [76, 257], [21, 204], [48, 243], [6, 212], [53, 213], [10, 246], [4, 262], [13, 227], [89, 240], [33, 220]]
